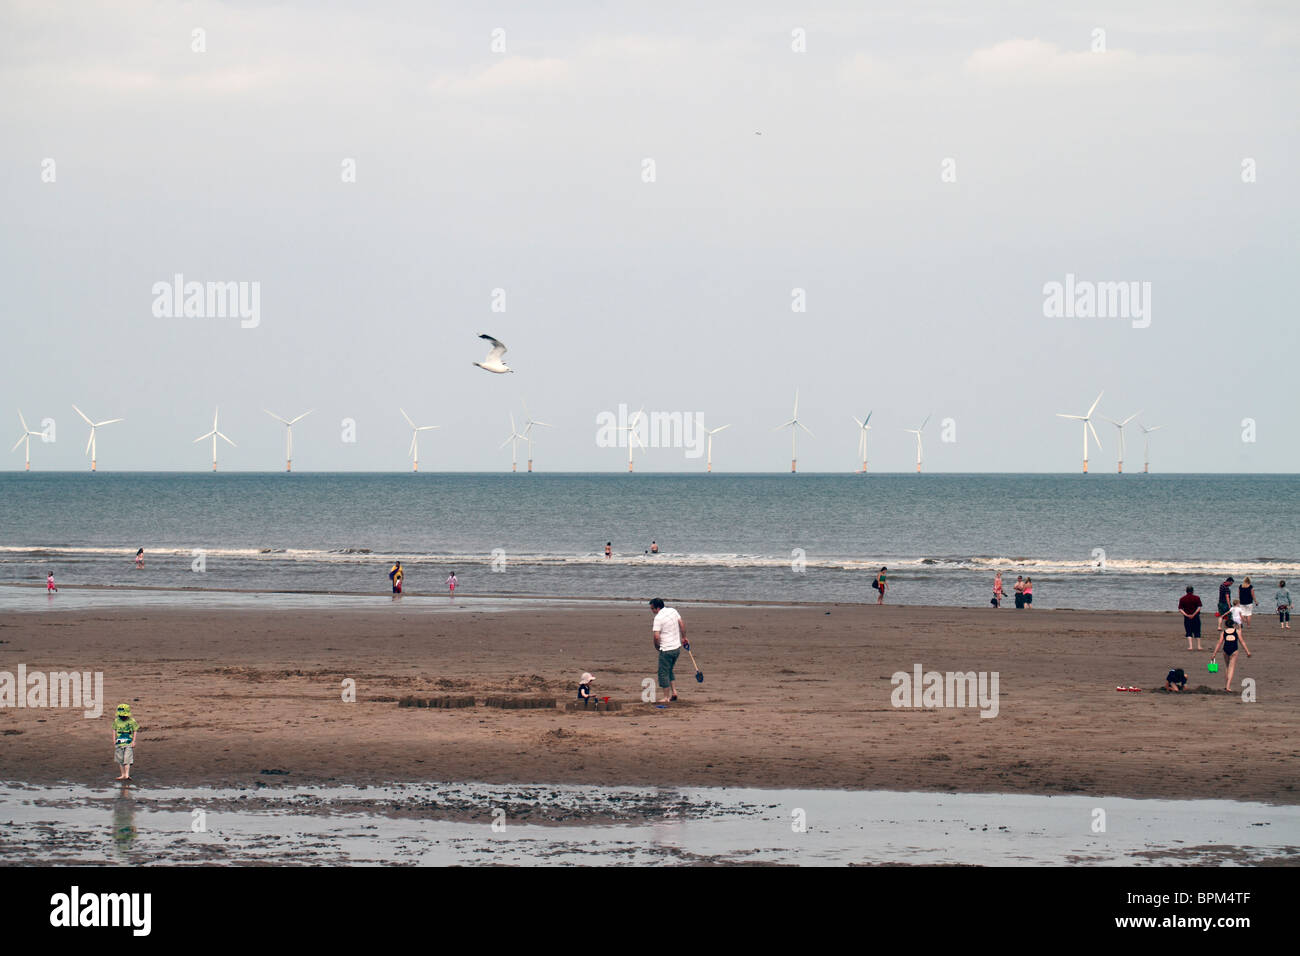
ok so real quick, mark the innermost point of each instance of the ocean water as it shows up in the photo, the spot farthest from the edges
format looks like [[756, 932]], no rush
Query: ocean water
[[441, 825], [1088, 541]]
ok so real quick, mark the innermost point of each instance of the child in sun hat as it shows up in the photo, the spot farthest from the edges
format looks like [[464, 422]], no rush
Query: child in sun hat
[[584, 687], [124, 731]]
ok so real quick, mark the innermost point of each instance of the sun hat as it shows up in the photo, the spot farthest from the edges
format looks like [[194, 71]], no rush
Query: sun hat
[[124, 710], [586, 678]]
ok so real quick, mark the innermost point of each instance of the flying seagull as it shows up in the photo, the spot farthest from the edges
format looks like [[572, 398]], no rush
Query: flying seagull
[[493, 361]]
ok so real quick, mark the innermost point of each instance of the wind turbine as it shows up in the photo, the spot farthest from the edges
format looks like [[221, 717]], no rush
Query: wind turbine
[[863, 428], [917, 433], [1146, 445], [1120, 425], [633, 436], [529, 422], [90, 445], [513, 441], [415, 433], [1087, 426], [711, 432], [25, 438], [214, 435], [794, 424], [288, 443]]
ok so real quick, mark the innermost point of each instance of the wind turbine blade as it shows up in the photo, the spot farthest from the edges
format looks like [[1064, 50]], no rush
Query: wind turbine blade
[[1094, 435], [275, 416], [302, 416], [1094, 404], [1077, 418], [784, 425], [90, 440], [411, 451], [1131, 417], [227, 440], [214, 418], [1112, 421], [805, 428], [543, 424], [868, 418], [720, 428], [201, 437], [926, 422], [407, 417], [507, 441], [109, 422], [26, 430], [82, 414], [859, 422], [425, 428], [22, 439]]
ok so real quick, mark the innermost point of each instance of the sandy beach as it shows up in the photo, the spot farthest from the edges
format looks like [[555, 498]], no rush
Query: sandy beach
[[792, 697]]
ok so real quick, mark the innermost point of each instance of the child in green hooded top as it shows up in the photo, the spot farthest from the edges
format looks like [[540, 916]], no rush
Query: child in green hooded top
[[124, 730]]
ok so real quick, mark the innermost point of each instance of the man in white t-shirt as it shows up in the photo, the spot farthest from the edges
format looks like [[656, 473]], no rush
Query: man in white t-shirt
[[669, 637]]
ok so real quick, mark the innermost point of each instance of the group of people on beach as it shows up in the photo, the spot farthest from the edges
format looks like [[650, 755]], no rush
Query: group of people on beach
[[1234, 616], [396, 575], [1023, 588]]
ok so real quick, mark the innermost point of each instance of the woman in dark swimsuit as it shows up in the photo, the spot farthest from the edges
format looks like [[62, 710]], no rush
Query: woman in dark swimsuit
[[1230, 637]]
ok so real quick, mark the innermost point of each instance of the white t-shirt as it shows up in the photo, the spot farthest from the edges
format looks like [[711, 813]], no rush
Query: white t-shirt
[[668, 626]]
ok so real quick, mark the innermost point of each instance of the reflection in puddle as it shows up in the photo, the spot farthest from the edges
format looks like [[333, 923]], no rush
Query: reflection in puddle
[[480, 823]]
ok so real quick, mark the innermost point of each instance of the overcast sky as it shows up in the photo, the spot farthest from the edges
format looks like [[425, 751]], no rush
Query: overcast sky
[[524, 169]]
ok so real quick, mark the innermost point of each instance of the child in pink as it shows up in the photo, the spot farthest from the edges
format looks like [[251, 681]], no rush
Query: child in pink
[[49, 583], [451, 584]]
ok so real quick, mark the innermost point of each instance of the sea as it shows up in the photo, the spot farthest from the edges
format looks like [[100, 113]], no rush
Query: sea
[[1099, 541]]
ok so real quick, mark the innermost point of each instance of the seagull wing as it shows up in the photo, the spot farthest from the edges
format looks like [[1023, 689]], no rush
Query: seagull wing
[[498, 349]]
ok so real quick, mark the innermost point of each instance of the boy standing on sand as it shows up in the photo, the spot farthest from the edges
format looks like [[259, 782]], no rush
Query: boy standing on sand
[[669, 634], [1283, 598], [1189, 605], [1225, 596], [124, 732]]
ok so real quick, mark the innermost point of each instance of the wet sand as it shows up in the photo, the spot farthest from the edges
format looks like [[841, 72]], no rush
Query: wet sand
[[793, 697]]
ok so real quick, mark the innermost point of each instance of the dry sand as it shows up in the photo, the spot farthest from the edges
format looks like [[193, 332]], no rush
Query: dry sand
[[793, 697]]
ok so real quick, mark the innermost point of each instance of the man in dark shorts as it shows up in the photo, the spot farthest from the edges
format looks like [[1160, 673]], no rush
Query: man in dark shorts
[[1225, 596], [1189, 605]]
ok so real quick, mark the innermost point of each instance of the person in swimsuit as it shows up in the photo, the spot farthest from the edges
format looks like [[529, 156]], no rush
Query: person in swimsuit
[[451, 584], [654, 547], [1230, 637], [1029, 592], [49, 583], [609, 549], [882, 586], [1020, 592], [998, 594], [139, 558]]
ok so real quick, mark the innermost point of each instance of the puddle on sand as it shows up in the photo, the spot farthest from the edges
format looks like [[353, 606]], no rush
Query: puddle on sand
[[453, 824]]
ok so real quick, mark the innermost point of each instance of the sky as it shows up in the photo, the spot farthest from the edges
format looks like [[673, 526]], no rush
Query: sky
[[691, 211]]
